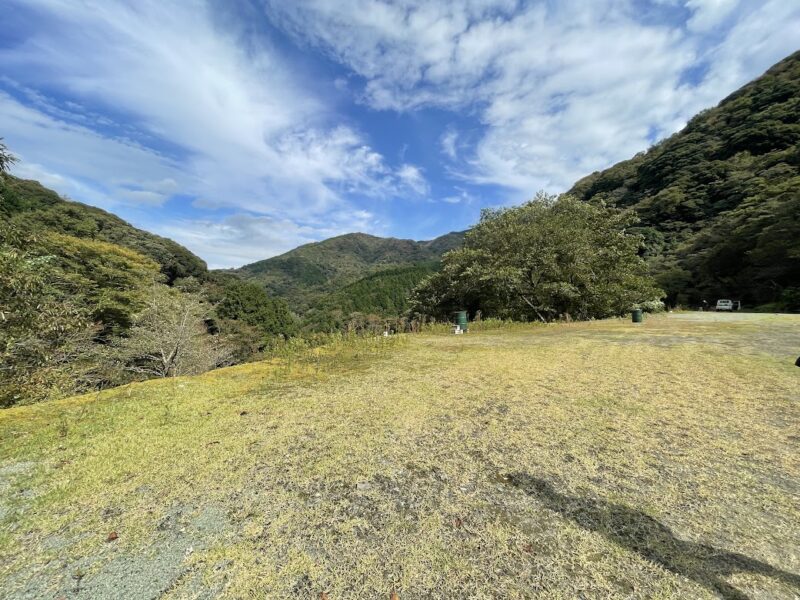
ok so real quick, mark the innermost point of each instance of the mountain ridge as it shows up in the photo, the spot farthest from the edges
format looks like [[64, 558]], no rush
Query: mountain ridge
[[354, 235], [27, 203], [306, 274], [718, 201]]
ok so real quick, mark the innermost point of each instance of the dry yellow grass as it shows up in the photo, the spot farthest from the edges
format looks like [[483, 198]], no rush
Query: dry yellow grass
[[592, 460]]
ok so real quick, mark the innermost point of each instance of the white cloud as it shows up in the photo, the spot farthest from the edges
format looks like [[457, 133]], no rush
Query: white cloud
[[239, 239], [707, 14], [753, 44], [461, 196], [179, 104], [448, 143], [245, 238], [413, 178], [562, 88], [67, 156]]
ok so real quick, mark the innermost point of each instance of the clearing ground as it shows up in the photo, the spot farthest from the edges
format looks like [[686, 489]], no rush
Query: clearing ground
[[585, 460]]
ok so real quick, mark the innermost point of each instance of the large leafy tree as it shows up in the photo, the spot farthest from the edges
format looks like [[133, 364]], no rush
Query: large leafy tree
[[545, 259]]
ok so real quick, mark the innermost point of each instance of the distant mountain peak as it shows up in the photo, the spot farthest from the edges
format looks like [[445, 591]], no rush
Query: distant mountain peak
[[313, 270]]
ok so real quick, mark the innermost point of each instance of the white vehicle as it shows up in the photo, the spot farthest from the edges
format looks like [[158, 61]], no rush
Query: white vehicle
[[724, 304]]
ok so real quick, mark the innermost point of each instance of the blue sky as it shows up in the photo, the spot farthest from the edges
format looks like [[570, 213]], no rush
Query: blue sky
[[243, 128]]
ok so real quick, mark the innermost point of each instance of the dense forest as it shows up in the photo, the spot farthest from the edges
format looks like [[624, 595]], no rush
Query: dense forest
[[376, 297], [718, 202], [26, 204]]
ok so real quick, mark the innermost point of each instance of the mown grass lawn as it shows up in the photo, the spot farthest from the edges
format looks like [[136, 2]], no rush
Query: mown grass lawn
[[587, 460]]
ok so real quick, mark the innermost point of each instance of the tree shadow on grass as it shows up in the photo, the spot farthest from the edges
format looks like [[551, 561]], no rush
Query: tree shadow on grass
[[641, 533]]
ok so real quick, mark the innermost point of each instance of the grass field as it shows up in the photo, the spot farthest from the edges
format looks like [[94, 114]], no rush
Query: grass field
[[584, 460]]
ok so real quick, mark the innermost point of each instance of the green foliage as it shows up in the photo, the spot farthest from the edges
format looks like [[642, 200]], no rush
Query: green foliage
[[791, 299], [169, 337], [62, 299], [306, 276], [373, 303], [109, 280], [384, 292], [77, 299], [40, 324], [718, 201], [28, 205], [249, 303], [73, 281], [545, 259], [6, 158]]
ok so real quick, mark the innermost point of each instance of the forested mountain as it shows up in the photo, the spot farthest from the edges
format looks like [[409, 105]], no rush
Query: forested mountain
[[719, 201], [88, 301], [384, 292], [379, 295], [25, 204], [307, 275]]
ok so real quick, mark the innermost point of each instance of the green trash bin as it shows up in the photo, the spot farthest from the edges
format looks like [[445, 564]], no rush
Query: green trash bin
[[637, 315], [461, 320]]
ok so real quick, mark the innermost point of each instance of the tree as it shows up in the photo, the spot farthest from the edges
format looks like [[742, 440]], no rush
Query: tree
[[6, 158], [247, 316], [111, 281], [249, 303], [170, 338], [41, 327], [547, 258]]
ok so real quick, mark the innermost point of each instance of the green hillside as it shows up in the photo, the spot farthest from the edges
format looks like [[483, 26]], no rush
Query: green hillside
[[384, 294], [306, 275], [84, 303], [719, 201], [28, 204]]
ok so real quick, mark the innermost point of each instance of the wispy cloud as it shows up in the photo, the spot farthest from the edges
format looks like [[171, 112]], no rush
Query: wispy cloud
[[460, 197], [413, 179], [562, 88], [448, 143], [216, 111], [245, 238], [78, 160], [707, 14]]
